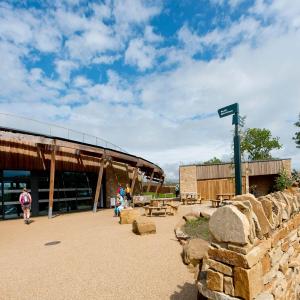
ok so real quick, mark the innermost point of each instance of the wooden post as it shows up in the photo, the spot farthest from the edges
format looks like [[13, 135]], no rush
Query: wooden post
[[52, 180], [135, 172], [247, 177], [149, 183], [159, 185], [98, 188]]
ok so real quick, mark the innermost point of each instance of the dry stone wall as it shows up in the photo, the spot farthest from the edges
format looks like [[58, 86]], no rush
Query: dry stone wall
[[255, 250]]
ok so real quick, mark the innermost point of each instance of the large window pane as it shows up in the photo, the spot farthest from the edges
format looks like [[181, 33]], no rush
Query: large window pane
[[13, 183]]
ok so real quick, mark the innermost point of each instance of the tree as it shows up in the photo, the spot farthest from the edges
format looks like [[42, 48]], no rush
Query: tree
[[297, 134], [212, 161], [258, 143]]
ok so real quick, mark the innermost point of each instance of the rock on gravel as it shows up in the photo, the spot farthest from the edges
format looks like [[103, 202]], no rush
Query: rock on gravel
[[143, 225], [194, 250]]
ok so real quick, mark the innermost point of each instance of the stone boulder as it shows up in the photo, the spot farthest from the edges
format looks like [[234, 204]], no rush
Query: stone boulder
[[257, 207], [245, 207], [194, 251], [268, 208], [128, 215], [228, 224], [143, 225]]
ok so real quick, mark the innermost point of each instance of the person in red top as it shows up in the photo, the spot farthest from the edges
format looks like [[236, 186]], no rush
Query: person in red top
[[25, 201]]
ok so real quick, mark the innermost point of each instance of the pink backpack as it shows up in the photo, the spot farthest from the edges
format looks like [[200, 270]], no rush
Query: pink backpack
[[25, 199]]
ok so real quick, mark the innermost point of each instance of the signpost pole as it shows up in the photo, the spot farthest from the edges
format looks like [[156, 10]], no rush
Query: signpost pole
[[237, 158], [233, 109]]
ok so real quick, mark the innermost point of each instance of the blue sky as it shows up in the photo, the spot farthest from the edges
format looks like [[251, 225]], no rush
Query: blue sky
[[150, 75]]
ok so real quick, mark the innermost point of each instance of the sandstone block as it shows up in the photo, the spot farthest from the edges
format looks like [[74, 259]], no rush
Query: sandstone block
[[292, 236], [266, 264], [257, 207], [267, 206], [248, 283], [127, 216], [219, 267], [194, 250], [228, 286], [228, 224], [243, 250], [212, 295], [236, 259], [276, 255], [265, 296], [228, 257], [214, 281], [245, 207], [279, 235], [285, 246], [143, 225]]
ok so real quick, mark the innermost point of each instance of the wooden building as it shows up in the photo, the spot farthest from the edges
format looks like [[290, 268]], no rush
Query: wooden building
[[64, 175], [209, 180]]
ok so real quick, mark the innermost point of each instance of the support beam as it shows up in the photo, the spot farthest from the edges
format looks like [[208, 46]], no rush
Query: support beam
[[150, 181], [41, 155], [159, 185], [135, 173], [98, 187], [52, 179]]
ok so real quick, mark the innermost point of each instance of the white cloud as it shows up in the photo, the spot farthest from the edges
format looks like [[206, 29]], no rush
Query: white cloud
[[150, 36], [231, 3], [167, 117], [139, 54], [134, 11], [64, 68]]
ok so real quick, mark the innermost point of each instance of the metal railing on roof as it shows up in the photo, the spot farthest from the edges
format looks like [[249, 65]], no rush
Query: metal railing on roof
[[15, 122]]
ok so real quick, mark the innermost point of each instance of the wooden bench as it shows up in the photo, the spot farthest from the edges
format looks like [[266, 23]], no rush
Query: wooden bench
[[150, 209], [173, 208]]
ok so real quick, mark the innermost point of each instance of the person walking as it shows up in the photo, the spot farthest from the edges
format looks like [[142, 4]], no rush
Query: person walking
[[177, 190], [25, 201]]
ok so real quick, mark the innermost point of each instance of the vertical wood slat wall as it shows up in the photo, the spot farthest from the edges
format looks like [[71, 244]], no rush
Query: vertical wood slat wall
[[211, 187]]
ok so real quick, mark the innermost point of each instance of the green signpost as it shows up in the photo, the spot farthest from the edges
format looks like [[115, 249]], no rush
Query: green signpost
[[233, 109]]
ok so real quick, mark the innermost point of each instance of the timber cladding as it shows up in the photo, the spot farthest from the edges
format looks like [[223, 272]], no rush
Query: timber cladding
[[253, 168], [208, 189], [210, 180]]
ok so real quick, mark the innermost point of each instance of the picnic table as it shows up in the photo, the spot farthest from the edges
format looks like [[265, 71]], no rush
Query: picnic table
[[220, 198], [191, 198], [225, 196], [162, 205], [150, 209]]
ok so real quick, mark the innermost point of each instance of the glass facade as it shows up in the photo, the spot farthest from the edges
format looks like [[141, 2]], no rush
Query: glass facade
[[73, 191], [12, 184]]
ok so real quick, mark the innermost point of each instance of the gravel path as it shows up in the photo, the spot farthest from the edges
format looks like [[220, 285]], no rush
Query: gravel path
[[96, 259]]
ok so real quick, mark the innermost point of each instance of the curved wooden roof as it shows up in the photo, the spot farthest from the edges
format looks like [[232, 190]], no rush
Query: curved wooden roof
[[30, 150]]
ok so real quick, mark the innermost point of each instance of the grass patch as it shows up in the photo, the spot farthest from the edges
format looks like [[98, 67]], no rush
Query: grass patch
[[197, 228], [167, 195]]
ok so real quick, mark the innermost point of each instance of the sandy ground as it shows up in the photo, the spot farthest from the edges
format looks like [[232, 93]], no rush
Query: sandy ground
[[97, 258]]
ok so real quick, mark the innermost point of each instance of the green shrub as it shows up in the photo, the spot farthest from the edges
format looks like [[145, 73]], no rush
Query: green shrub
[[283, 181]]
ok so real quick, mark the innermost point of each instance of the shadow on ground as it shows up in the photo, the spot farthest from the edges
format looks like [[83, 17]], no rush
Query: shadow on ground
[[188, 291]]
